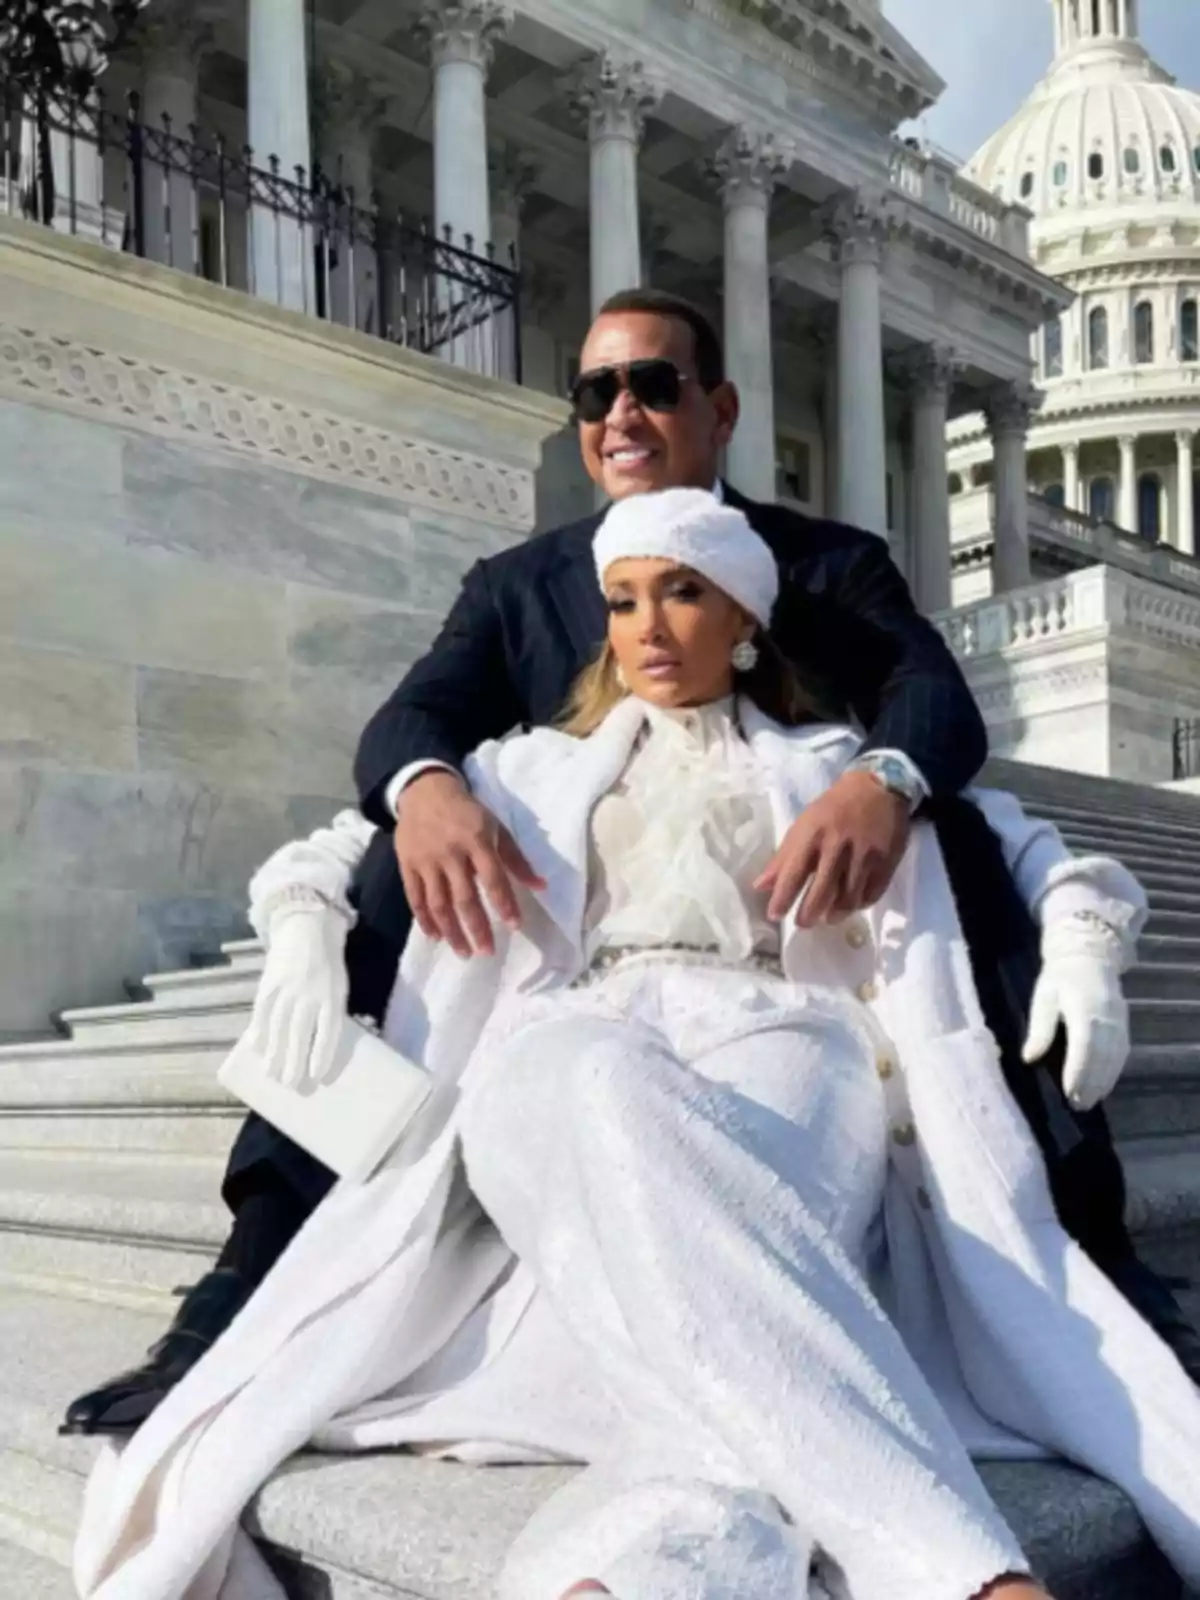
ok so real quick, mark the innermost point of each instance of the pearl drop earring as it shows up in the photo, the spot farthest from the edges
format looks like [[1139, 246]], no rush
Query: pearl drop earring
[[744, 656]]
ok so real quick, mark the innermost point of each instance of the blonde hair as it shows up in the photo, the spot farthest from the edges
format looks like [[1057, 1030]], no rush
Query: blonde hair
[[771, 684]]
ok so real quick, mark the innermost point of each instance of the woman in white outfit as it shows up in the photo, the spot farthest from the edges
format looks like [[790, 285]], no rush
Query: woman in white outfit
[[679, 1160]]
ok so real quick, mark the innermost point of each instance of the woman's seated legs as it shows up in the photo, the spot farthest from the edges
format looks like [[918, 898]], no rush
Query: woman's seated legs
[[689, 1243]]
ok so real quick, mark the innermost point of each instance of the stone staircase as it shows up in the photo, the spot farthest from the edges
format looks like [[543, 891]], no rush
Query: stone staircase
[[113, 1136]]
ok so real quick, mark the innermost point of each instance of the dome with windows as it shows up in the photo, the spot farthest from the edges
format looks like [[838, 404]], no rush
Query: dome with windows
[[1106, 127], [1105, 153]]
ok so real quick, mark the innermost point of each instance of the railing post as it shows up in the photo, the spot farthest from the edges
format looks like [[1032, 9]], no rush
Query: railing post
[[134, 145]]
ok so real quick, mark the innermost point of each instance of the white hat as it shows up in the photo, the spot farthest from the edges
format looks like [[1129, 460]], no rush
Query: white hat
[[694, 528]]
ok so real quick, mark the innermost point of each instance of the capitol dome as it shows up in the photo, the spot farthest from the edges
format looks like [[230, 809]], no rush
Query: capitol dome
[[1105, 127], [1105, 154]]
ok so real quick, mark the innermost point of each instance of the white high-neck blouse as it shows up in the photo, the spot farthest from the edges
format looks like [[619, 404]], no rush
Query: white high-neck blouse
[[676, 844]]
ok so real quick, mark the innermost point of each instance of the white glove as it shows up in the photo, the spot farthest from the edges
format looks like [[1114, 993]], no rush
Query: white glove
[[1080, 986], [300, 1007]]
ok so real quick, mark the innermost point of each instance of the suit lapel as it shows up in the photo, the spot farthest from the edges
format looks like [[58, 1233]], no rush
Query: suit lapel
[[575, 594]]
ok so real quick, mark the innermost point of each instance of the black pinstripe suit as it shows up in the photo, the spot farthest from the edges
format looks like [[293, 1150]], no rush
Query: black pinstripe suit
[[530, 618]]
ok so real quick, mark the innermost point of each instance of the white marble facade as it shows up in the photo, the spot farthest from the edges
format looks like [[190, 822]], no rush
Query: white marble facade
[[744, 157], [1105, 153]]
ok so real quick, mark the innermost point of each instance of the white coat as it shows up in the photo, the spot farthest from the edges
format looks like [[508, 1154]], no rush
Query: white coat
[[1027, 1344]]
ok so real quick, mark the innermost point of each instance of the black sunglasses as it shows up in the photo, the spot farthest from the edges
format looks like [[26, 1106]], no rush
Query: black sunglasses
[[656, 384]]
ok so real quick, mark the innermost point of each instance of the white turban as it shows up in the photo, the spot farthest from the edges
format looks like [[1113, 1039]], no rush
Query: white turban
[[692, 527]]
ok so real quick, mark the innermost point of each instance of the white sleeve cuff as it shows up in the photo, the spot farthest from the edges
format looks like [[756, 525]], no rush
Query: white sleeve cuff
[[414, 769]]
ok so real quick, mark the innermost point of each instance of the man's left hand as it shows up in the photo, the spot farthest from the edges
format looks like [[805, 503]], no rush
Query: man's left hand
[[845, 846]]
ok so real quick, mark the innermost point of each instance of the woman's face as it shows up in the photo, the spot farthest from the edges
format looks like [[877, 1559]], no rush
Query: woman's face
[[672, 631]]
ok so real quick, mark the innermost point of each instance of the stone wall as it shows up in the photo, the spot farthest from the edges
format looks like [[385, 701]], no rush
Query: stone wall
[[1086, 672], [225, 531]]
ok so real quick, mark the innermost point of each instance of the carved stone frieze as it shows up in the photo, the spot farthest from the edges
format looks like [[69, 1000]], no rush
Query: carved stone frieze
[[159, 399]]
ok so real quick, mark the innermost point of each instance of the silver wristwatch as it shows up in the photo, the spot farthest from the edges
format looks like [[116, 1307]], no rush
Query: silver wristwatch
[[893, 774]]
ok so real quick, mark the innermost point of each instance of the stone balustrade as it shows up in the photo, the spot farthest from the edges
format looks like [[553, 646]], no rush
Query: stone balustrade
[[1089, 671], [933, 180]]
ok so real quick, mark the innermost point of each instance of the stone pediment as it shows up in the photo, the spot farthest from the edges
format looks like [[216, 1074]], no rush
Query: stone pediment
[[849, 40]]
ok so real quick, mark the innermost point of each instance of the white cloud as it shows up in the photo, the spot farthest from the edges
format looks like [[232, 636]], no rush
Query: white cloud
[[992, 52]]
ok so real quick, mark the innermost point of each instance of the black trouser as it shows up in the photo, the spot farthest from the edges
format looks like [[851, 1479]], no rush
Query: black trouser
[[1085, 1172]]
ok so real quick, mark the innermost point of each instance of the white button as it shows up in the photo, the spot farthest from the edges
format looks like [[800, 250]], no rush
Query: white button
[[904, 1133], [884, 1066], [866, 991], [857, 935]]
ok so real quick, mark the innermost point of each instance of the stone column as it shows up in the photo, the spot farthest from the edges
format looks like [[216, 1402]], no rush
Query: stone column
[[1127, 514], [1070, 458], [171, 41], [277, 120], [858, 226], [931, 374], [1008, 409], [347, 110], [747, 167], [462, 37], [514, 175], [614, 96], [1185, 493]]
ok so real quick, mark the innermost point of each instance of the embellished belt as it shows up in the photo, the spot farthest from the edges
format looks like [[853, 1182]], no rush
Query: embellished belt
[[676, 955]]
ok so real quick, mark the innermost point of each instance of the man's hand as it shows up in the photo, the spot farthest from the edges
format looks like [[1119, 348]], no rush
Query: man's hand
[[845, 846], [448, 846]]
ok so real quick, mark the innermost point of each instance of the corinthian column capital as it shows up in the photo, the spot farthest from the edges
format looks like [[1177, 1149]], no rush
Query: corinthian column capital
[[172, 35], [928, 370], [613, 95], [858, 225], [463, 30], [1009, 407], [748, 164]]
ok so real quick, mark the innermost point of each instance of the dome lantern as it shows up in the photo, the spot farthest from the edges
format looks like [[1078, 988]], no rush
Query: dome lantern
[[1079, 22]]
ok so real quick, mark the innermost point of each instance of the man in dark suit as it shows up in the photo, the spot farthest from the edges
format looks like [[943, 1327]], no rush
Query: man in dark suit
[[654, 410]]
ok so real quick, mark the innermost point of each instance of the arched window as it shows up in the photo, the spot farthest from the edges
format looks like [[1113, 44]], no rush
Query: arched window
[[1133, 161], [1150, 507], [1054, 494], [1026, 185], [1143, 333], [1052, 349], [1102, 499], [1097, 337], [1189, 331], [1095, 164], [1060, 174], [1166, 158]]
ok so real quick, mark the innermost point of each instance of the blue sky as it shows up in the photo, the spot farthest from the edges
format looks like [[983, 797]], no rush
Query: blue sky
[[992, 52]]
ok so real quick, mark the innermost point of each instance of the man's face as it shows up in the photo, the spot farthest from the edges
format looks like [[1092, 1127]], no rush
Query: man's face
[[636, 448]]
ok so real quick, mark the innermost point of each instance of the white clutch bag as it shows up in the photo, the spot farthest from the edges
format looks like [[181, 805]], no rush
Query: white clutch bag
[[353, 1121]]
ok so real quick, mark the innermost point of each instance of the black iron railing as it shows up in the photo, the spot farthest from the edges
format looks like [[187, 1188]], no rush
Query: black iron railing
[[300, 239], [1185, 748]]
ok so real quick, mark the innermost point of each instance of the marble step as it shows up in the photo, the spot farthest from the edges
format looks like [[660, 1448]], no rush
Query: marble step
[[1165, 1021], [1159, 1094], [123, 1228], [389, 1525], [132, 1229], [29, 1576], [1163, 980]]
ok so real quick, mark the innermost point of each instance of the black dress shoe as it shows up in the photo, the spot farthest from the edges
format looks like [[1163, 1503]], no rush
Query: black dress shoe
[[124, 1403], [1152, 1298]]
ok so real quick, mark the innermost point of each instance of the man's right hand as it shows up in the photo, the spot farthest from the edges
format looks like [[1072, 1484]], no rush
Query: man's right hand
[[449, 847]]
